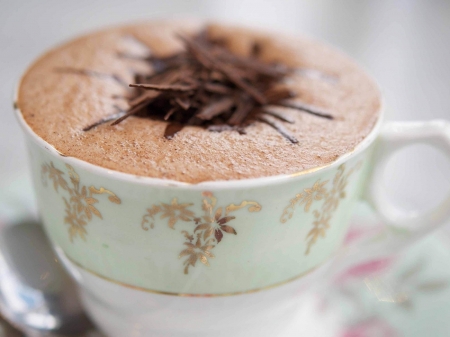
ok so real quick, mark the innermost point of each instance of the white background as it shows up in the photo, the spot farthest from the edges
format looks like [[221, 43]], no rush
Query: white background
[[404, 44]]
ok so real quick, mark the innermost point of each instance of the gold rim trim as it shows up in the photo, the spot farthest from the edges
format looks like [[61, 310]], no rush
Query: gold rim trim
[[318, 168], [193, 295], [314, 169]]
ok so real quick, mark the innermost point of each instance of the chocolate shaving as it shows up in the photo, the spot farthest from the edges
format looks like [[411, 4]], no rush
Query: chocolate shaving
[[277, 115], [130, 112], [278, 127], [276, 71], [216, 88], [204, 57], [243, 109], [164, 87], [275, 94], [106, 119], [170, 113], [306, 108], [183, 102], [172, 129], [215, 108]]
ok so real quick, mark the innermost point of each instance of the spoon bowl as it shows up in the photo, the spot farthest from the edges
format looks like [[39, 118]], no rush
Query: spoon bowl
[[36, 294]]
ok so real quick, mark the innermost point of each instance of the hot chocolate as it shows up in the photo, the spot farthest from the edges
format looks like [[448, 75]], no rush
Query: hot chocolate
[[72, 95]]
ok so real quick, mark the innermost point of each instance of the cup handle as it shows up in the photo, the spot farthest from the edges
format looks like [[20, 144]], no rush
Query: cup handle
[[401, 228], [393, 137]]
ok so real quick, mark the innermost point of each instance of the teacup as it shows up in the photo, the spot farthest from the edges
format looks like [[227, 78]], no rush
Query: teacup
[[222, 258]]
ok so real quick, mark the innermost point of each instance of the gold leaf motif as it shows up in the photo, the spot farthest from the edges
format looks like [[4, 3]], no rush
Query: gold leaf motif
[[209, 228], [289, 210], [218, 213], [51, 172], [228, 229], [95, 211], [209, 232], [202, 227], [208, 219], [72, 174], [224, 220], [79, 206], [331, 199], [204, 259], [149, 217], [176, 212], [254, 207], [188, 236], [112, 197], [317, 192], [184, 253]]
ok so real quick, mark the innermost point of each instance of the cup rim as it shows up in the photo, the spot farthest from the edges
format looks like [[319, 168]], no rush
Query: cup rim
[[210, 184]]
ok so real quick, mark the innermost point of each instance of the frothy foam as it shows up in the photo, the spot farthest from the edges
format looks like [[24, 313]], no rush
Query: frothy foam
[[58, 105]]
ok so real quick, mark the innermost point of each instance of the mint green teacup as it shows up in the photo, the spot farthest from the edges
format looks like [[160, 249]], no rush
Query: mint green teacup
[[163, 258]]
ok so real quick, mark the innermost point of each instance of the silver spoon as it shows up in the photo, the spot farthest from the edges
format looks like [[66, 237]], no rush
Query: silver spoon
[[36, 294]]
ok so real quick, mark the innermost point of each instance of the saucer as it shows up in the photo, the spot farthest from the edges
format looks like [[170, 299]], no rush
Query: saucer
[[406, 295], [403, 295]]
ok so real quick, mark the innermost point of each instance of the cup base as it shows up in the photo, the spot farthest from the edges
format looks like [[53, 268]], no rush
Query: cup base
[[304, 318], [285, 311]]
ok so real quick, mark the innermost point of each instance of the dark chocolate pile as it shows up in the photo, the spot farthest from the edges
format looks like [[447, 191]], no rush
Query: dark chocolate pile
[[206, 85]]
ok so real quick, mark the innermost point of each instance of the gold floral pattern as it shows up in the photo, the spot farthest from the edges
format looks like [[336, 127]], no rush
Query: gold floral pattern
[[208, 230], [80, 201], [331, 199]]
